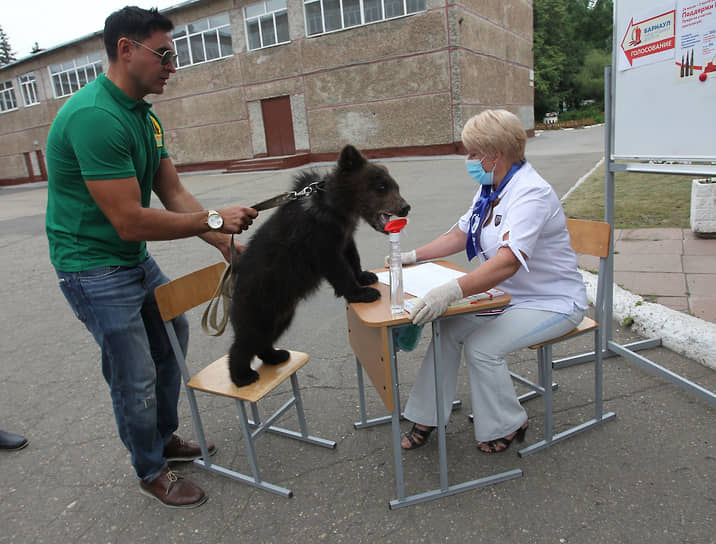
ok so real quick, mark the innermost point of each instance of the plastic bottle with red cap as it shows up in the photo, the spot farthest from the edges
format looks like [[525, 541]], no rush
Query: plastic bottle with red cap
[[397, 299]]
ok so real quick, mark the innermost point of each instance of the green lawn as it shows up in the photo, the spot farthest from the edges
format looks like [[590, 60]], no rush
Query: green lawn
[[640, 200]]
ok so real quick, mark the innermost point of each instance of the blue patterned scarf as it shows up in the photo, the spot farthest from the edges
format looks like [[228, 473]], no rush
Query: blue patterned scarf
[[482, 207]]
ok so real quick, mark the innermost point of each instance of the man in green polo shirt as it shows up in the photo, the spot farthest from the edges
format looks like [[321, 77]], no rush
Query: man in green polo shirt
[[105, 156]]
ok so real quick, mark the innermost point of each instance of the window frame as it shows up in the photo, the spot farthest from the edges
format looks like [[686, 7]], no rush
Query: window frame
[[7, 97], [266, 11], [362, 11], [184, 40], [72, 74], [28, 89]]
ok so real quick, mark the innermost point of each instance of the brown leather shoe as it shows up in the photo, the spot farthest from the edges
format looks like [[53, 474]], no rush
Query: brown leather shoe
[[172, 490], [179, 449]]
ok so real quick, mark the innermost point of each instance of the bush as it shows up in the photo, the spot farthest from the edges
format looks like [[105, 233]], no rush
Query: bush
[[591, 112]]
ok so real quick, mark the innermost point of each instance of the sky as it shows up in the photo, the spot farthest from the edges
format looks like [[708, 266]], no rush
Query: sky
[[53, 22]]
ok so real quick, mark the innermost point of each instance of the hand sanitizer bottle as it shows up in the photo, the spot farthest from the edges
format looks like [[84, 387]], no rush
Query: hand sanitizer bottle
[[396, 266]]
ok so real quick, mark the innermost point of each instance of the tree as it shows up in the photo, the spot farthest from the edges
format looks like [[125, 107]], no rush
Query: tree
[[595, 29], [6, 54], [548, 75], [596, 25], [590, 79], [554, 46], [565, 33]]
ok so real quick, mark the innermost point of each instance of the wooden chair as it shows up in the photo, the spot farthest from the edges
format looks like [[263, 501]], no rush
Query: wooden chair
[[591, 238], [187, 292]]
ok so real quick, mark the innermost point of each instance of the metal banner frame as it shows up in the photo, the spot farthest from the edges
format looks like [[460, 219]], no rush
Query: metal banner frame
[[609, 346]]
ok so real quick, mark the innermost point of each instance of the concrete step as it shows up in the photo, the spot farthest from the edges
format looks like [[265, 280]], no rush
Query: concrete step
[[268, 163]]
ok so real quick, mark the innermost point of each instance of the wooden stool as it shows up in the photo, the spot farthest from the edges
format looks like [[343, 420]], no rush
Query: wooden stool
[[182, 294], [591, 238]]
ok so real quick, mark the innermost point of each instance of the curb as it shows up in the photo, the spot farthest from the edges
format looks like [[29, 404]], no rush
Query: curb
[[681, 333]]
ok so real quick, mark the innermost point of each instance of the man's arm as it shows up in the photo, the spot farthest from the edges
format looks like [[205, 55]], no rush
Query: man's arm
[[175, 197], [120, 201]]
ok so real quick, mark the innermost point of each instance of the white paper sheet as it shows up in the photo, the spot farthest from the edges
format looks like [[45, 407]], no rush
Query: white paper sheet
[[418, 280]]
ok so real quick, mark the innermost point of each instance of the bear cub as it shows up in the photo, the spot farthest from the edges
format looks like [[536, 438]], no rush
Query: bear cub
[[303, 242]]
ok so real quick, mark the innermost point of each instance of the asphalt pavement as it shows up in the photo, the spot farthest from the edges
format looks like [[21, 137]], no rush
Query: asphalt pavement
[[648, 476]]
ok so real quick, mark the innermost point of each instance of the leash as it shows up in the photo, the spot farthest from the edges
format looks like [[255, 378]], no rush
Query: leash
[[211, 322], [275, 201]]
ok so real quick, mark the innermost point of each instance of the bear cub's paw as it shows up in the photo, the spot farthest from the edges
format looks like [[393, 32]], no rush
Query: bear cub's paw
[[275, 356], [246, 378], [367, 278], [366, 294]]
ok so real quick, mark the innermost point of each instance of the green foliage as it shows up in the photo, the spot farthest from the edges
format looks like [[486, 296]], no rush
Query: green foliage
[[550, 54], [572, 44], [588, 112], [595, 25], [6, 54], [590, 78]]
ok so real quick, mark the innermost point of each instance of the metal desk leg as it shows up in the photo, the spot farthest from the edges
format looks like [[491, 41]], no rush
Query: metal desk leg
[[364, 422], [442, 442], [395, 431], [445, 489], [361, 394]]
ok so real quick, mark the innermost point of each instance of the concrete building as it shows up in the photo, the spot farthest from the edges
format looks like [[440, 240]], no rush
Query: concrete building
[[297, 79]]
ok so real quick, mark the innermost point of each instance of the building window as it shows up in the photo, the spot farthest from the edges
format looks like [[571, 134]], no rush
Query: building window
[[266, 23], [329, 15], [28, 89], [8, 101], [74, 74], [203, 40]]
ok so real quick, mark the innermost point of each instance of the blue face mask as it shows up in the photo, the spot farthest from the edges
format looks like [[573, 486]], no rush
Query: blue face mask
[[477, 172]]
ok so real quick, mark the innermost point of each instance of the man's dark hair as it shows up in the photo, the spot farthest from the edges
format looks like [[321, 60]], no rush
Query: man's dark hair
[[133, 23]]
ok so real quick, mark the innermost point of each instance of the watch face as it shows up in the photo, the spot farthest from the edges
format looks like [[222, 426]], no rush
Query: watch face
[[215, 221]]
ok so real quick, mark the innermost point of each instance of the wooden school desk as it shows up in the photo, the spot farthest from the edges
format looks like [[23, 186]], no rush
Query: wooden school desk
[[371, 330]]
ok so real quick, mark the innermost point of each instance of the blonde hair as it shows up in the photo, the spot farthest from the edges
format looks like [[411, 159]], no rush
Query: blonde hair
[[495, 130]]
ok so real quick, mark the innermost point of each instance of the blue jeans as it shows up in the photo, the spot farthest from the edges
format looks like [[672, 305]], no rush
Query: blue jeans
[[117, 306]]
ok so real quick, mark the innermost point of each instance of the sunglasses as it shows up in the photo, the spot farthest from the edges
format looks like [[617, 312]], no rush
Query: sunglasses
[[164, 58]]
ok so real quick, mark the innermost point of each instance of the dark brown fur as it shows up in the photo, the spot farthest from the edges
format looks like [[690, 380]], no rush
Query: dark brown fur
[[303, 242]]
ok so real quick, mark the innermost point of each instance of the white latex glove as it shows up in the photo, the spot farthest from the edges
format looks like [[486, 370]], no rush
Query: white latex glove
[[407, 257], [435, 302]]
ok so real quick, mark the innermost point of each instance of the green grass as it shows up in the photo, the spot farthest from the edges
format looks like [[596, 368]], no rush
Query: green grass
[[640, 200]]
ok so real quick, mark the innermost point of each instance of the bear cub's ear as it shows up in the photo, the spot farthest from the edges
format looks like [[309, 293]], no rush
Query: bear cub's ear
[[350, 159]]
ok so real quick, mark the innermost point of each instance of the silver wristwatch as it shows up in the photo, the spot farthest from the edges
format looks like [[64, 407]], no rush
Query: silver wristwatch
[[214, 220]]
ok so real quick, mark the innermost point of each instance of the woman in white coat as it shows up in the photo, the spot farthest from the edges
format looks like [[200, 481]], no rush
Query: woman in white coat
[[517, 229]]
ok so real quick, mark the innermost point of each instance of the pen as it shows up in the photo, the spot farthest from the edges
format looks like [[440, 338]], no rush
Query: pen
[[489, 295]]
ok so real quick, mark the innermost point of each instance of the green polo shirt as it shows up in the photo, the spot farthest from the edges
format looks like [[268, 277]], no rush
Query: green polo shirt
[[99, 133]]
